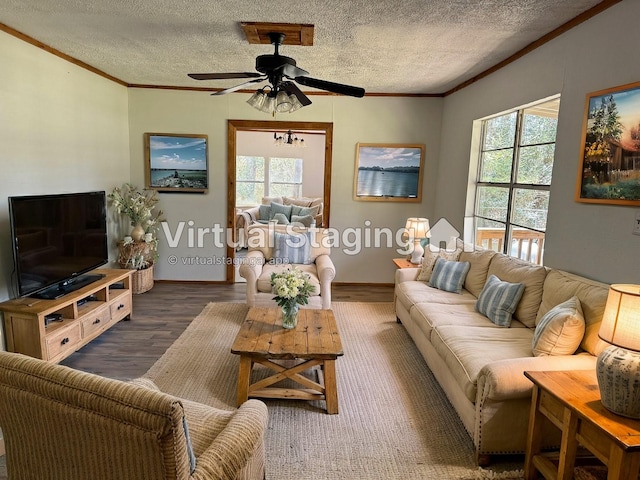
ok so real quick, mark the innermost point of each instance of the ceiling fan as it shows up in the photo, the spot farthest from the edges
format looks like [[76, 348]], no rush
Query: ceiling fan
[[281, 72]]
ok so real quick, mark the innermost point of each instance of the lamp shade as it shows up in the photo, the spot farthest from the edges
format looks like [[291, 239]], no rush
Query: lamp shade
[[418, 227], [621, 320]]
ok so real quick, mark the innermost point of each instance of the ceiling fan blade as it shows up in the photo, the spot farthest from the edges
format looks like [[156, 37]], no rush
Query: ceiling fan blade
[[291, 71], [292, 88], [331, 86], [223, 76], [239, 87]]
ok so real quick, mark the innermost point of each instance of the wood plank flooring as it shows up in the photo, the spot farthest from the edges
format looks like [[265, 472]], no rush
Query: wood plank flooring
[[130, 348]]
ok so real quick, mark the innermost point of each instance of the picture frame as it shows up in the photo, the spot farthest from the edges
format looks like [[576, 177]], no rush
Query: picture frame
[[176, 162], [609, 171], [389, 172]]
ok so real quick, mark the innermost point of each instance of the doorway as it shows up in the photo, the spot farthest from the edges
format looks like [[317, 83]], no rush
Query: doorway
[[235, 126]]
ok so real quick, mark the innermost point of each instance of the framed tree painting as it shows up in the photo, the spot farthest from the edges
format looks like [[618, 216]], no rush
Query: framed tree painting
[[387, 172], [176, 162], [610, 148]]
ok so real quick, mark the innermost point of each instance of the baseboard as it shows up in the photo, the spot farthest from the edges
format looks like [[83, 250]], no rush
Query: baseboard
[[203, 282]]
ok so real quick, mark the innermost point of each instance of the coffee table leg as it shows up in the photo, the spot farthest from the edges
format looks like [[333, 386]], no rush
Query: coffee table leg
[[244, 376], [330, 386]]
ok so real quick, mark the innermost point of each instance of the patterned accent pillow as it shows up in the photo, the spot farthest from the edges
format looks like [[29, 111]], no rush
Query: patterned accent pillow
[[498, 300], [430, 258], [560, 330], [449, 275], [294, 248]]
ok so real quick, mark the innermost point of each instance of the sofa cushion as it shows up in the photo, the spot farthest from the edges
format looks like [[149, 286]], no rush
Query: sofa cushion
[[479, 261], [281, 219], [513, 270], [560, 286], [429, 260], [303, 220], [413, 292], [261, 237], [429, 315], [560, 330], [264, 212], [466, 350], [498, 300], [448, 275], [294, 248], [264, 281], [303, 211]]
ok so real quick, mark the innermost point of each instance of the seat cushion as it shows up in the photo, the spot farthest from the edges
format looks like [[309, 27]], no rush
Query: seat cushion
[[411, 292], [264, 281], [465, 350]]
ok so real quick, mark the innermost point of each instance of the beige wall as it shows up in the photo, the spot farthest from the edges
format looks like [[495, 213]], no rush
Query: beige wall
[[63, 129], [592, 240], [387, 120]]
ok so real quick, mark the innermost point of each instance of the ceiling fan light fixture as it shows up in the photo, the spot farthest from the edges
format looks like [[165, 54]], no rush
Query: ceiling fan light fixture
[[269, 105], [283, 102], [257, 99], [295, 103]]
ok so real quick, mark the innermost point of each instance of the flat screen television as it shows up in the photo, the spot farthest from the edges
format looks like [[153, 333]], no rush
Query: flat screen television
[[56, 240]]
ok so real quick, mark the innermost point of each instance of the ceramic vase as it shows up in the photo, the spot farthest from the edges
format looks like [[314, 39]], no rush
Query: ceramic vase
[[137, 233], [290, 316]]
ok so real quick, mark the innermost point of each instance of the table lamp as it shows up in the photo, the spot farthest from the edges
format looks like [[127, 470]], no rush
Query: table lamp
[[417, 228], [618, 366]]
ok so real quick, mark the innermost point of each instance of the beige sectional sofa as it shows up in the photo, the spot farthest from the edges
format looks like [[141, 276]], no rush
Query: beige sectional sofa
[[480, 365]]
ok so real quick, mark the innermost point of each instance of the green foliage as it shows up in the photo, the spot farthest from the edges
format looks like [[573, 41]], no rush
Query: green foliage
[[622, 190]]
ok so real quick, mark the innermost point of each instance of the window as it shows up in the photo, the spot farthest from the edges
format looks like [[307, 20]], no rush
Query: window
[[258, 177], [514, 180]]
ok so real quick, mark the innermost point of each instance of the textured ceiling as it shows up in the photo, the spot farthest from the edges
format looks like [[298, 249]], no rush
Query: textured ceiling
[[417, 46]]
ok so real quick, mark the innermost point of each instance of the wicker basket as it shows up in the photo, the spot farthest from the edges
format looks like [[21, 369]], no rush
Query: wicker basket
[[142, 280]]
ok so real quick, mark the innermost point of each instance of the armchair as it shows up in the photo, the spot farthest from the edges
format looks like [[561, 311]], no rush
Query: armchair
[[264, 258], [62, 423]]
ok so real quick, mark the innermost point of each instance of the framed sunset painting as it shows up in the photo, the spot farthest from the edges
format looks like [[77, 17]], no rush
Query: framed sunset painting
[[176, 162], [388, 172], [610, 149]]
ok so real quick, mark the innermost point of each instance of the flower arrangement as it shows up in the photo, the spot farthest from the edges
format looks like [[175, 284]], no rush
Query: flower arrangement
[[137, 205], [291, 288]]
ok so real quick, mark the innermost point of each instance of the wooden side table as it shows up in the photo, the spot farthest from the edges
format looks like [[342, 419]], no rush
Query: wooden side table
[[571, 401], [404, 263]]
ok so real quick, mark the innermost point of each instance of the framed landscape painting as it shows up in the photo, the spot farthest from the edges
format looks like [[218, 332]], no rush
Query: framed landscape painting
[[388, 172], [176, 162], [610, 148]]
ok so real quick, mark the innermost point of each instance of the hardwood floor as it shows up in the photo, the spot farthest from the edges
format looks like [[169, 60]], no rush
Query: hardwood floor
[[130, 348]]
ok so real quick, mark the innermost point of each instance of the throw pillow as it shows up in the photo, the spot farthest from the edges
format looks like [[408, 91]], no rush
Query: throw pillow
[[560, 330], [498, 300], [302, 211], [264, 212], [304, 220], [430, 258], [295, 248], [279, 208], [449, 275], [281, 218]]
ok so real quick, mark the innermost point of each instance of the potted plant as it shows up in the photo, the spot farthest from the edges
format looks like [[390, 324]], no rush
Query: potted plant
[[138, 251]]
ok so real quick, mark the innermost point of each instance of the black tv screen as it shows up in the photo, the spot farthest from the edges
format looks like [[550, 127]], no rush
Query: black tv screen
[[56, 239]]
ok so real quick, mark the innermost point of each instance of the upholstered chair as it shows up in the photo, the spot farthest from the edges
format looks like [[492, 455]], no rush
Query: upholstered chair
[[274, 248], [60, 423]]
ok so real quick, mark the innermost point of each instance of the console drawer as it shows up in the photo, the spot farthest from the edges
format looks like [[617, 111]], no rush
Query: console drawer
[[120, 308], [95, 321], [63, 340]]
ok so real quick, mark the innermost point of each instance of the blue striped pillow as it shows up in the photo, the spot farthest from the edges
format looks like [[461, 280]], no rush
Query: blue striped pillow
[[498, 300], [449, 275], [294, 248]]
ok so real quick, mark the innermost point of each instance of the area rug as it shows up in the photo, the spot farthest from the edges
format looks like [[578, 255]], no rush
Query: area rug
[[394, 420]]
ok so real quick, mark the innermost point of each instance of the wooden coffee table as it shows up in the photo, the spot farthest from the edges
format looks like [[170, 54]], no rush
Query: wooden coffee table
[[315, 341]]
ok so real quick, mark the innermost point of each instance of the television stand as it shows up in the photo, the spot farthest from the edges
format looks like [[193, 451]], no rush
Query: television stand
[[52, 329], [68, 286]]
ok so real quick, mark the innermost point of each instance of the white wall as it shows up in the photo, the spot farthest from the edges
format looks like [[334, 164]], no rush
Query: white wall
[[378, 119], [63, 129], [591, 240]]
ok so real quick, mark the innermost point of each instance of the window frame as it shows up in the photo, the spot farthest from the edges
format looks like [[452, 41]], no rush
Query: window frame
[[512, 185], [266, 182]]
